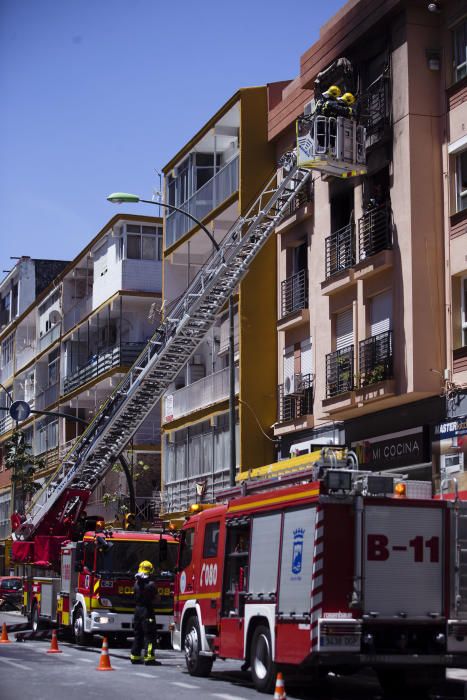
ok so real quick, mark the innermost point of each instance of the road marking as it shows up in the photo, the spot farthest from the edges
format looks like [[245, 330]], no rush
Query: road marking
[[224, 696], [87, 661], [144, 675], [189, 686], [10, 662]]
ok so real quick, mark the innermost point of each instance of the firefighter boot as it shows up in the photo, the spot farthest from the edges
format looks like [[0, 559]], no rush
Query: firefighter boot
[[136, 659], [149, 658]]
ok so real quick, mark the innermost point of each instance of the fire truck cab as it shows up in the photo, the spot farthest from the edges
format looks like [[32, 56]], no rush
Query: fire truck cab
[[92, 593], [331, 574]]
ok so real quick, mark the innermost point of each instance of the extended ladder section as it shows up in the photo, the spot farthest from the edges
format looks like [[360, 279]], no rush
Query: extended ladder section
[[165, 354]]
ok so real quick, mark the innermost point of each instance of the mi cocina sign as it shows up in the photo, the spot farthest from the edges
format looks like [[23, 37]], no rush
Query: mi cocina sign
[[395, 450]]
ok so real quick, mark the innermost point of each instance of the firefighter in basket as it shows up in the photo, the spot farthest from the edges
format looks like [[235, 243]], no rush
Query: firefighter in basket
[[345, 105], [144, 620], [327, 104]]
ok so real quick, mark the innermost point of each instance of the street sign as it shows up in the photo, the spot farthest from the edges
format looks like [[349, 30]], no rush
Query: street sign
[[20, 410]]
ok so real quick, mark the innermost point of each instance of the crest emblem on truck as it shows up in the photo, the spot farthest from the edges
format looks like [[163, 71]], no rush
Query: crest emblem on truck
[[297, 554]]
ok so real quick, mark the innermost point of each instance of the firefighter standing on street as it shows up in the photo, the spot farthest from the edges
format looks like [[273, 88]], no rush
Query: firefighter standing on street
[[144, 620]]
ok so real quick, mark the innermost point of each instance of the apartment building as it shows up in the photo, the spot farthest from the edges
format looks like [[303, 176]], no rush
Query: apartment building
[[68, 347], [215, 177], [371, 327]]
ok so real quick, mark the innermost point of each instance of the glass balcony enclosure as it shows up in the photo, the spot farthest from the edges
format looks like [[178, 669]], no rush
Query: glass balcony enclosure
[[205, 177], [204, 392]]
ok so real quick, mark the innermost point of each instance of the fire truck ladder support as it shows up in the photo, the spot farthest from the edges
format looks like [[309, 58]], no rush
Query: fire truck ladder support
[[165, 354]]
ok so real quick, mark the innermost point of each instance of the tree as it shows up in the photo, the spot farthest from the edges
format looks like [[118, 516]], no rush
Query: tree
[[23, 465]]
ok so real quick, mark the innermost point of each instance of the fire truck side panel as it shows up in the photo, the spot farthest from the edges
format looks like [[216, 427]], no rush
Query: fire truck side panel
[[231, 637], [338, 561], [403, 560], [298, 537], [291, 641], [264, 558]]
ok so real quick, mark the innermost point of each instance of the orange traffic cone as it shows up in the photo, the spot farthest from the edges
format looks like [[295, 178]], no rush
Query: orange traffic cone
[[279, 691], [104, 661], [54, 644], [4, 638]]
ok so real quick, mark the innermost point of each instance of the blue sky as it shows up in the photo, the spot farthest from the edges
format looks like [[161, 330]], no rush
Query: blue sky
[[97, 94]]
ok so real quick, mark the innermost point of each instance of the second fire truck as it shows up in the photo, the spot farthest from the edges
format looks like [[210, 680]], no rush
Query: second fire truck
[[335, 573]]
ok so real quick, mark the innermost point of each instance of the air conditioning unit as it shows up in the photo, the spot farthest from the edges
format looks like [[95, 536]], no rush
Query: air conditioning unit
[[452, 464], [308, 108]]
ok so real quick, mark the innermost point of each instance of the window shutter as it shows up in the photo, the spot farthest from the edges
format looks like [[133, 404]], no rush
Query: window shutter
[[344, 329], [381, 313], [289, 367], [306, 364]]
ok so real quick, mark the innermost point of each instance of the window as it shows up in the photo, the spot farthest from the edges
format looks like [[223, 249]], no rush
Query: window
[[460, 51], [211, 539], [144, 242], [464, 311], [7, 350], [53, 367], [461, 181], [186, 548]]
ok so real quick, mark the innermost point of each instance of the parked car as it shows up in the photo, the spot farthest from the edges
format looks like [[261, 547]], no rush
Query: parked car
[[11, 591]]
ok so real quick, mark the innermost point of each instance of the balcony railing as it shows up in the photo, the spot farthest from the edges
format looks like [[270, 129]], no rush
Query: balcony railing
[[202, 393], [6, 422], [48, 338], [294, 293], [299, 402], [125, 354], [47, 397], [304, 196], [74, 315], [376, 108], [340, 250], [340, 371], [375, 359], [203, 201], [374, 231]]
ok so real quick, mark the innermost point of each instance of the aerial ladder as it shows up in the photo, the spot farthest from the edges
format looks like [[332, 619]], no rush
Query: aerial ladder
[[57, 506], [62, 498]]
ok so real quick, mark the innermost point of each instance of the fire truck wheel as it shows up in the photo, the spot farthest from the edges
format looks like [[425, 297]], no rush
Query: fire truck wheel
[[36, 622], [197, 665], [80, 636], [263, 668]]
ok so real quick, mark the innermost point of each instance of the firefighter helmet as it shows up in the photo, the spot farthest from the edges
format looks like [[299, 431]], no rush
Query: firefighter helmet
[[348, 98], [146, 568], [333, 92]]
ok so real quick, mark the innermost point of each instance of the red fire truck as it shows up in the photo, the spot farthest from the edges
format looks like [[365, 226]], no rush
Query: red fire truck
[[347, 571], [87, 586]]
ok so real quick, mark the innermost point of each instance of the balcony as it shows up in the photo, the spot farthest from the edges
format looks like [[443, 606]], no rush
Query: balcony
[[374, 231], [340, 251], [294, 293], [6, 371], [340, 371], [47, 397], [123, 355], [375, 359], [376, 109], [297, 403], [77, 313], [25, 355], [204, 392], [304, 196], [203, 201], [48, 338]]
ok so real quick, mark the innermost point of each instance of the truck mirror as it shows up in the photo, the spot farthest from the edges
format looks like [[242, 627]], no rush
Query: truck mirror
[[163, 550]]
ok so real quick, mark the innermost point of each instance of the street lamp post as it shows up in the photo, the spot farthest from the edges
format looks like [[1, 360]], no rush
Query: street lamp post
[[125, 198]]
